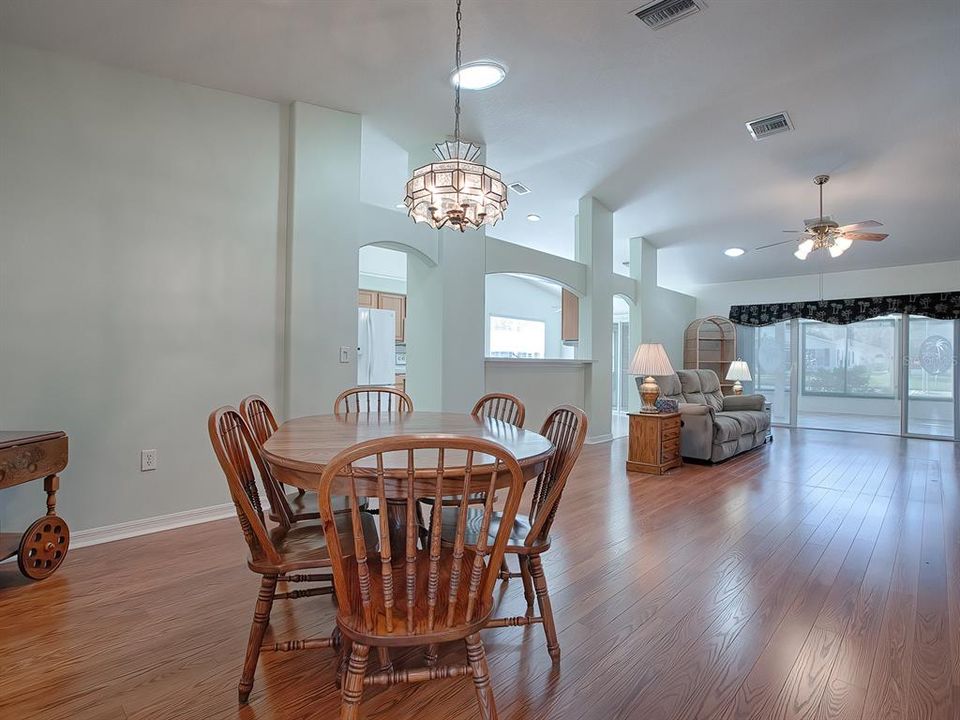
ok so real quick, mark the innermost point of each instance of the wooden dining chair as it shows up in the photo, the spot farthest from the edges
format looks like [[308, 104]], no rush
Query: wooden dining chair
[[501, 406], [290, 507], [566, 428], [282, 554], [286, 508], [498, 406], [372, 399], [418, 595]]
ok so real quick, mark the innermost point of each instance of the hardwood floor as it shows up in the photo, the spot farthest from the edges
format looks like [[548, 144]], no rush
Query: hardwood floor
[[818, 577]]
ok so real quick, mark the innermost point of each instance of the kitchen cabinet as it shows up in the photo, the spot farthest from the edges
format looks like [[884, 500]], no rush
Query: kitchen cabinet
[[387, 301], [397, 303], [569, 316], [367, 299]]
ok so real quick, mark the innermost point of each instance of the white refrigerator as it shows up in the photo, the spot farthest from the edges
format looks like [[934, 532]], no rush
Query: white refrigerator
[[376, 351]]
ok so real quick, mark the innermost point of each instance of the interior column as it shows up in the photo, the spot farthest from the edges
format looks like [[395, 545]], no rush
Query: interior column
[[594, 248]]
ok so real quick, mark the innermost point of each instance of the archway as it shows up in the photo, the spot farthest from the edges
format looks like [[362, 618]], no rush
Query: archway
[[524, 317]]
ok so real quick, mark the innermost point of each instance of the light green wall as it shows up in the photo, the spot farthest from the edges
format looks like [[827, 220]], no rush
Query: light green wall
[[138, 278], [323, 256]]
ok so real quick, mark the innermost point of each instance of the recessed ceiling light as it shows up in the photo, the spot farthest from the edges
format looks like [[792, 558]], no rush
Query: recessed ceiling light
[[479, 75], [533, 217], [734, 252]]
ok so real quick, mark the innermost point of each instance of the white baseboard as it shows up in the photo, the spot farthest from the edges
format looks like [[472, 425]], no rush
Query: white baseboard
[[597, 439], [133, 528]]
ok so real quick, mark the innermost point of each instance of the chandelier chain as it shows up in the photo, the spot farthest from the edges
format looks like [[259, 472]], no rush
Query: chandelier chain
[[456, 104]]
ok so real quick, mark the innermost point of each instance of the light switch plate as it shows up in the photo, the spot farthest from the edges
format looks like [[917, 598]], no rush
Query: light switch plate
[[344, 353]]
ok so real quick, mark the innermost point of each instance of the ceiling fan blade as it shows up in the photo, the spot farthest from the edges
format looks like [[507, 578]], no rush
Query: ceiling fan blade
[[876, 237], [782, 242], [860, 225]]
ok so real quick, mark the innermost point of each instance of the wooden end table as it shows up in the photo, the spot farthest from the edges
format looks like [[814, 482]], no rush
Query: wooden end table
[[654, 442]]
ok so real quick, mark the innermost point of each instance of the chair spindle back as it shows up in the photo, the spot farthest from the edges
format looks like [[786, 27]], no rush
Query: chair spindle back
[[233, 443], [372, 399], [262, 423], [566, 428], [423, 591], [501, 406]]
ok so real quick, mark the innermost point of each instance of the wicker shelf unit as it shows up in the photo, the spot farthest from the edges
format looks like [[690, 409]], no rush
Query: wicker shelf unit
[[710, 343]]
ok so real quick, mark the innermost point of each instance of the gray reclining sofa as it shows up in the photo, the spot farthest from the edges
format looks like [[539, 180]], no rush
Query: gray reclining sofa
[[715, 426]]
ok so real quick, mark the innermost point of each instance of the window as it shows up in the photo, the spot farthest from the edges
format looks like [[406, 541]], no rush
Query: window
[[858, 360], [516, 338]]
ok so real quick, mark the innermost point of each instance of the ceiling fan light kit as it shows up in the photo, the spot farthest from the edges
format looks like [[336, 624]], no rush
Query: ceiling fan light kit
[[822, 233]]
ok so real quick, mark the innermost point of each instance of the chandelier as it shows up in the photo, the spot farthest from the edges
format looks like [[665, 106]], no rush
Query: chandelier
[[457, 191]]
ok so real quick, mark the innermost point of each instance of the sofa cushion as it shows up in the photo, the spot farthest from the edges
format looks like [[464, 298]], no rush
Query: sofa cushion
[[701, 387], [725, 429], [710, 387], [743, 402], [690, 385], [669, 386], [746, 418]]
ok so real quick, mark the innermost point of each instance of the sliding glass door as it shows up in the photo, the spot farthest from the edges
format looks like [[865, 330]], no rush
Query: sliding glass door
[[930, 366], [895, 375], [770, 357], [849, 375]]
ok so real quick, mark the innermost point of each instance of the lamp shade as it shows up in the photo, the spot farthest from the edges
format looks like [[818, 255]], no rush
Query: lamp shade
[[739, 370], [651, 359]]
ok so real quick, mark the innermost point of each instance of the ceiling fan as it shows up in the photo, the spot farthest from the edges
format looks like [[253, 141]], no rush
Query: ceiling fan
[[822, 232]]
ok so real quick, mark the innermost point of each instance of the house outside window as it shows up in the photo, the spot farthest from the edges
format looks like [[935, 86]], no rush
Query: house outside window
[[517, 338], [858, 360]]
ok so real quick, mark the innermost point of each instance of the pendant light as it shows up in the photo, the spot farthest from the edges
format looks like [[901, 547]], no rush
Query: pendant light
[[456, 191]]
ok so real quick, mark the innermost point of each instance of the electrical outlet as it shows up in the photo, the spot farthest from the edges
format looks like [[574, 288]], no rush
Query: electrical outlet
[[148, 460], [344, 353]]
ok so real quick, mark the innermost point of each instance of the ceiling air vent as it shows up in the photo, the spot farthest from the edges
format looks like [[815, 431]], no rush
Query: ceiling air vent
[[660, 14], [519, 188], [765, 127]]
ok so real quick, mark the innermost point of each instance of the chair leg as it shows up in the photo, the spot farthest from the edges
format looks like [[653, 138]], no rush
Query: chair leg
[[430, 656], [527, 583], [352, 689], [383, 655], [504, 573], [346, 647], [261, 618], [477, 657], [546, 609]]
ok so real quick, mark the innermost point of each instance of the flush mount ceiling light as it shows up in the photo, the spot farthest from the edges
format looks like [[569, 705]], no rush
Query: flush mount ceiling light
[[457, 191], [479, 75], [533, 217], [734, 252]]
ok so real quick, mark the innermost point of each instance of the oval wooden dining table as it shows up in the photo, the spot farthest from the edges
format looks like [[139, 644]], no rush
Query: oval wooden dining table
[[300, 449]]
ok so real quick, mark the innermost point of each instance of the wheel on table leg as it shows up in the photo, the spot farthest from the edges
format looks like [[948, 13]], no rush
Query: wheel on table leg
[[43, 547]]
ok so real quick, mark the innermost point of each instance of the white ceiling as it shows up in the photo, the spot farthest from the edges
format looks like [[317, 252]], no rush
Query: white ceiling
[[649, 122]]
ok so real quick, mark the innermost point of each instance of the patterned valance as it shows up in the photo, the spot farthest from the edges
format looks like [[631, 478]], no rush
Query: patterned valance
[[942, 306]]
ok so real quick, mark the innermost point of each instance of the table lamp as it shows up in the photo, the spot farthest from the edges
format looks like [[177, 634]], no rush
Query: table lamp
[[739, 370], [650, 359]]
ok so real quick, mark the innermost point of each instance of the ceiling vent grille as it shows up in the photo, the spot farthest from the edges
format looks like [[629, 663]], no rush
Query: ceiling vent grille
[[660, 14], [519, 188], [767, 126]]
